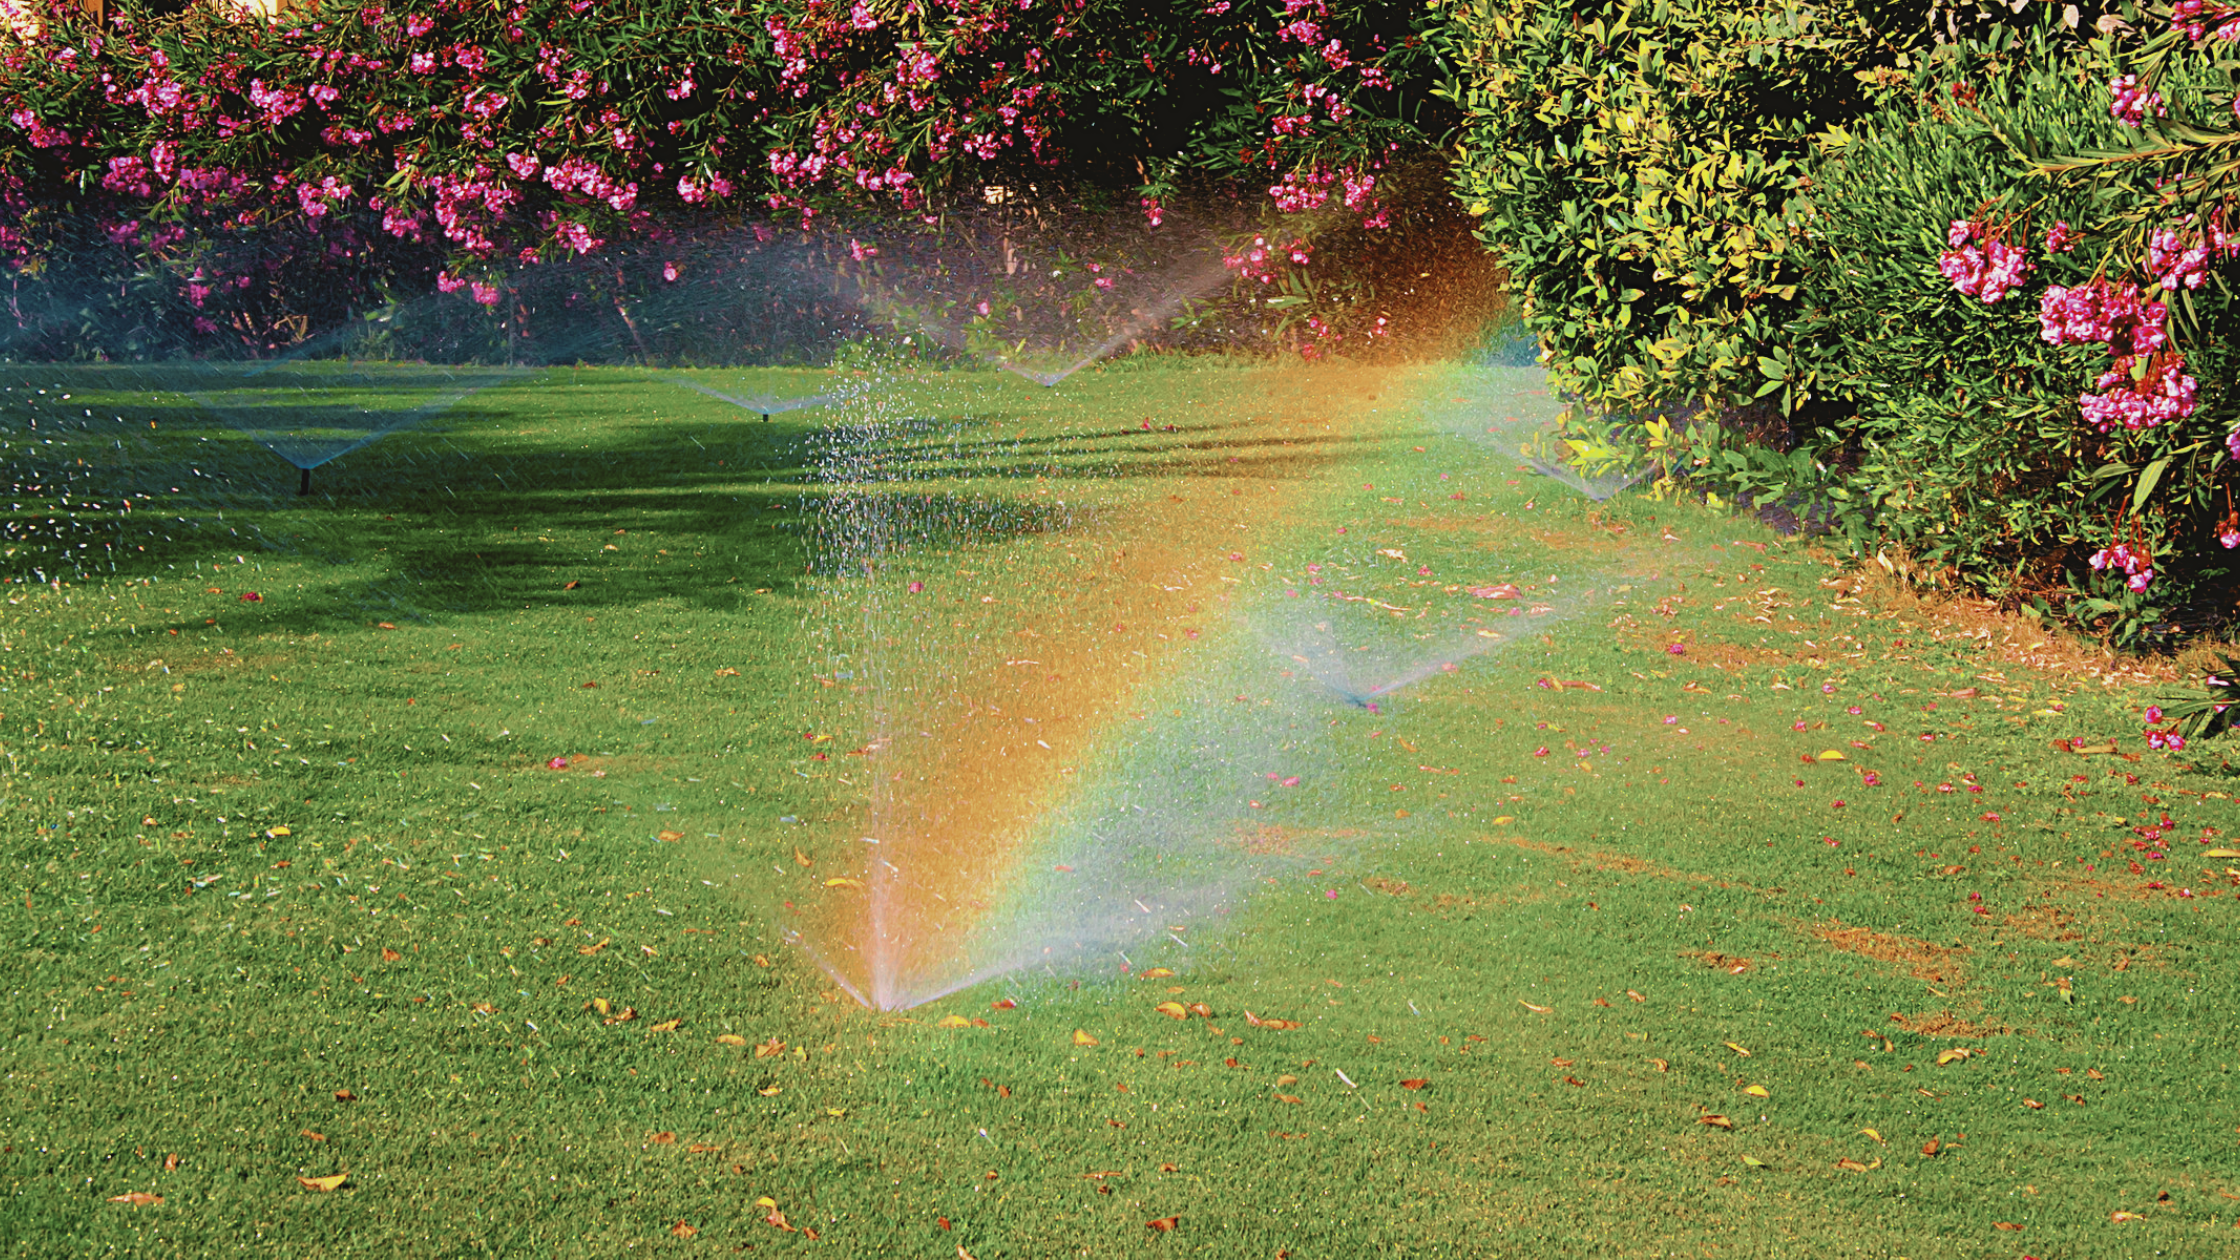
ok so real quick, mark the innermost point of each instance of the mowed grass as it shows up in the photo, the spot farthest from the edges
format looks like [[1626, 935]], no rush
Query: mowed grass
[[294, 893]]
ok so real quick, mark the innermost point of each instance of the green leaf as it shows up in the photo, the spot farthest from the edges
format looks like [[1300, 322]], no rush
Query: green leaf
[[2148, 477]]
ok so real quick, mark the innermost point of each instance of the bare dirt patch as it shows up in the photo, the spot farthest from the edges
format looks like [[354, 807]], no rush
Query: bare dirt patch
[[1947, 1024], [1936, 964], [2044, 923], [1712, 958]]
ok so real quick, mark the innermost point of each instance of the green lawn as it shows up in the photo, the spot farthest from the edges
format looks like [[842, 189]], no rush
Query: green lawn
[[295, 893]]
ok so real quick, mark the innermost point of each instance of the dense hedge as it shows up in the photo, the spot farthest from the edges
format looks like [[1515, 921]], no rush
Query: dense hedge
[[1633, 163]]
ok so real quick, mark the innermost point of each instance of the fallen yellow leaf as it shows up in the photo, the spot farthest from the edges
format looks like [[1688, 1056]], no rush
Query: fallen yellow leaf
[[836, 1112], [770, 1092], [667, 1025], [842, 881], [1503, 821], [323, 1184], [276, 832], [1757, 1091], [1737, 1049], [1949, 1057], [953, 1021], [1871, 1133], [1156, 973], [731, 1039], [1850, 1165], [770, 1049], [2222, 853], [1537, 1010], [1830, 754], [1716, 1122], [1081, 1038], [2121, 1217], [1172, 1010], [671, 837]]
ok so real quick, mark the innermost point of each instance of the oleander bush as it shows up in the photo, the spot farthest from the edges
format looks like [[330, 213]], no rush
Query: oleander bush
[[158, 168], [1963, 301]]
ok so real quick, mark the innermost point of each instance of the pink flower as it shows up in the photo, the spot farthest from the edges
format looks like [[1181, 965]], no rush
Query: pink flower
[[2130, 104], [2154, 714], [251, 597], [1676, 649], [2059, 239], [2140, 395], [2138, 568], [557, 763], [917, 588], [1980, 264]]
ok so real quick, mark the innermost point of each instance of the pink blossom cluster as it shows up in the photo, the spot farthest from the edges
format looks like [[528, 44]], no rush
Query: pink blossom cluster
[[43, 136], [2137, 568], [2130, 103], [2141, 392], [1980, 263], [1261, 261], [2201, 19], [317, 199], [2166, 740], [2180, 258], [2101, 311], [482, 291], [586, 178], [2060, 239]]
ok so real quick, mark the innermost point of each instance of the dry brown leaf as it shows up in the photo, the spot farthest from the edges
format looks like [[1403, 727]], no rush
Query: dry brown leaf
[[344, 1095], [2009, 1226], [669, 837], [1635, 996], [1200, 1009], [138, 1198], [171, 1162], [1537, 1010], [1288, 1098], [730, 1039], [770, 1049], [588, 950], [663, 1138], [389, 955], [2120, 1217], [1662, 1066], [682, 1230], [1850, 1165], [1932, 1146], [1156, 973], [1716, 1122], [1414, 1083], [323, 1184], [667, 1025], [1163, 1225]]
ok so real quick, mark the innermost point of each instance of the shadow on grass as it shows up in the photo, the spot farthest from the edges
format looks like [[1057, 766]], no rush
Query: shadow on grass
[[454, 518]]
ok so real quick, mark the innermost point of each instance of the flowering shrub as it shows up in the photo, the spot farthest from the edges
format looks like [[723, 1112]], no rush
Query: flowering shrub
[[399, 141], [2068, 449]]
